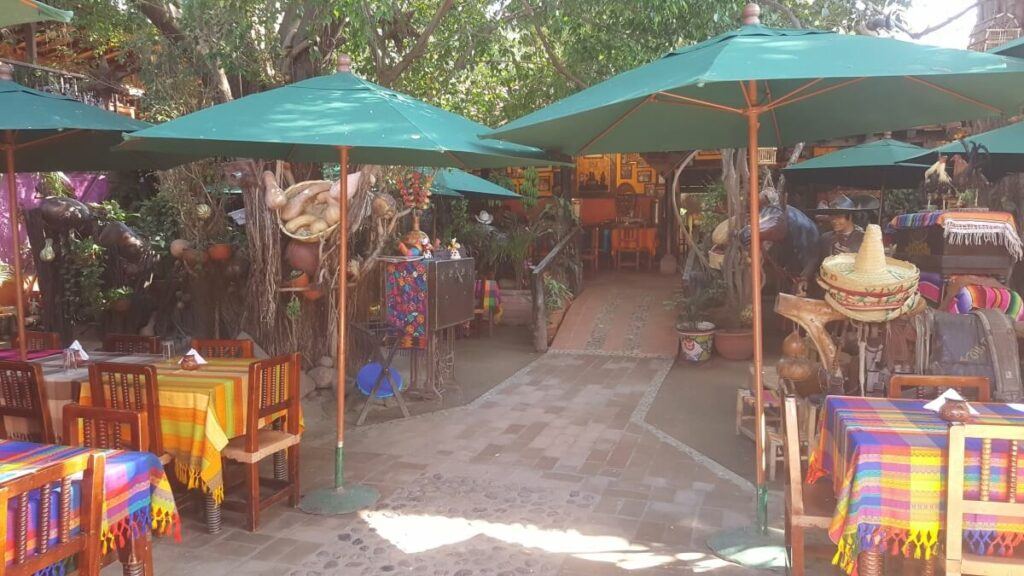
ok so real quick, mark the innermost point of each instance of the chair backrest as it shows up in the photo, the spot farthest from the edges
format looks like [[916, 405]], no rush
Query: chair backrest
[[39, 341], [32, 555], [629, 237], [1000, 448], [105, 428], [929, 386], [791, 453], [273, 392], [131, 344], [128, 387], [223, 348], [22, 396]]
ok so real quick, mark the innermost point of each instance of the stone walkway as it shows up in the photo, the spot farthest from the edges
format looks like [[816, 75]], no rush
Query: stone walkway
[[553, 472]]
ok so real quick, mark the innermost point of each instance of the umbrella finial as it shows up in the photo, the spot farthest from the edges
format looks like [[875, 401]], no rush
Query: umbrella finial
[[751, 14], [6, 71], [344, 63]]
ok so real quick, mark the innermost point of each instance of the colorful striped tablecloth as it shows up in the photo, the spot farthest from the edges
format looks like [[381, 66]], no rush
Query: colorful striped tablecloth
[[200, 410], [13, 354], [887, 460], [137, 497]]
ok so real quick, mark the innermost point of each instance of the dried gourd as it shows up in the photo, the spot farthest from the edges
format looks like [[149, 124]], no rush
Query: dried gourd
[[303, 221], [274, 196], [332, 214]]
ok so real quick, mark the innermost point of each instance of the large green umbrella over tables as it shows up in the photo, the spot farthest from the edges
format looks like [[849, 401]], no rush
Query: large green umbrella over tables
[[453, 182], [14, 12], [45, 132], [872, 165], [1000, 151], [327, 119], [759, 86]]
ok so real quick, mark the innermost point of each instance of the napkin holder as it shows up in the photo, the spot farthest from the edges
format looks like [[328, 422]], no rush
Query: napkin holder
[[189, 362], [956, 412]]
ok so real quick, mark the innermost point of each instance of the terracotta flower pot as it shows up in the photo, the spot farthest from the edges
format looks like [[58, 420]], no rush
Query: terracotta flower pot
[[121, 305], [737, 344], [300, 281], [219, 252], [312, 294]]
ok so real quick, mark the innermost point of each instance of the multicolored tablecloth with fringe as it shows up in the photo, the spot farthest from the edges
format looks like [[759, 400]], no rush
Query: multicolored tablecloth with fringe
[[887, 460], [964, 227], [488, 297], [137, 498], [200, 410]]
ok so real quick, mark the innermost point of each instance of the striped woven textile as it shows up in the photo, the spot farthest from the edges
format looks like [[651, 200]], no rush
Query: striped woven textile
[[976, 297], [137, 497], [887, 461], [917, 219], [930, 286], [488, 297], [940, 217], [200, 410]]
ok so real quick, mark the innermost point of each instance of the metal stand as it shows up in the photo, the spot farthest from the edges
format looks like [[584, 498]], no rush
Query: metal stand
[[213, 516], [378, 336]]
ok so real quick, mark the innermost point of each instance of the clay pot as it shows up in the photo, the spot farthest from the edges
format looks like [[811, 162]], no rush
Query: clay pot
[[794, 346], [312, 295], [219, 252], [179, 246], [121, 305], [300, 281], [795, 369], [955, 411], [303, 256], [735, 344], [696, 343]]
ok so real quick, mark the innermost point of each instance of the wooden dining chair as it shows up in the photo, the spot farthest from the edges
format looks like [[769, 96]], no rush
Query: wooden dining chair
[[34, 555], [131, 344], [808, 506], [273, 393], [629, 243], [223, 348], [35, 341], [130, 387], [105, 428], [927, 386], [23, 396], [992, 500]]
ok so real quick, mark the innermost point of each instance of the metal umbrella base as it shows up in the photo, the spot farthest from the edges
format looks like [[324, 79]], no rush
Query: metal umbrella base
[[751, 548], [338, 501]]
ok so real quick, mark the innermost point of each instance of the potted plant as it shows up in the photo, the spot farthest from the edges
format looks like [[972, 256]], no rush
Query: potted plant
[[219, 251], [119, 299], [737, 341], [696, 333], [298, 279], [557, 298]]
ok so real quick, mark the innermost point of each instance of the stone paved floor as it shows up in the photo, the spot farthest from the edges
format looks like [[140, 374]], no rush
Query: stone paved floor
[[552, 472]]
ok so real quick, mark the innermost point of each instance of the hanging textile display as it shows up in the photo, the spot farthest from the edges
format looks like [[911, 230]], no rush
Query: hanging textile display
[[405, 288]]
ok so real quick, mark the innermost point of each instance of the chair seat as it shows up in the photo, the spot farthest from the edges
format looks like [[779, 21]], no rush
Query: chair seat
[[270, 442], [819, 506]]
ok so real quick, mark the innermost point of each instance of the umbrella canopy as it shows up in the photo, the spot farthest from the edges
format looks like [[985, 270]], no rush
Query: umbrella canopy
[[308, 120], [1002, 152], [871, 165], [758, 86], [1014, 48], [453, 182], [811, 85], [14, 12]]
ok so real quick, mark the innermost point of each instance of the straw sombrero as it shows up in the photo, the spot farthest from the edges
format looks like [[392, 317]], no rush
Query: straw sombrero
[[868, 286]]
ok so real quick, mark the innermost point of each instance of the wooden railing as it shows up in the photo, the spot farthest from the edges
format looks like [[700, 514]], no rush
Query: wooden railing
[[540, 313]]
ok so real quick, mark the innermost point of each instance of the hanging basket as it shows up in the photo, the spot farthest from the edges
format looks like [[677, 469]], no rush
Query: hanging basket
[[290, 194]]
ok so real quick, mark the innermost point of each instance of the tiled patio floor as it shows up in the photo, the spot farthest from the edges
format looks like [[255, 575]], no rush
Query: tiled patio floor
[[553, 472]]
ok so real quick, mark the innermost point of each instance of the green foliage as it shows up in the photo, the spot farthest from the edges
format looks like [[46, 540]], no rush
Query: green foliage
[[294, 308], [696, 301], [111, 210], [556, 294], [159, 221], [712, 206], [119, 293], [5, 273], [54, 184], [529, 189], [902, 202], [82, 272]]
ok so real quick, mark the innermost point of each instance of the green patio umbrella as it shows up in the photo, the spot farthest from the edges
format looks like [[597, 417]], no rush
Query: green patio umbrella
[[1001, 150], [759, 86], [327, 119], [453, 182], [43, 132], [14, 12], [874, 165]]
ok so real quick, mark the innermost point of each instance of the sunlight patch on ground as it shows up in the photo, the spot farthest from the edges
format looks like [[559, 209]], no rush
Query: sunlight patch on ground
[[417, 533]]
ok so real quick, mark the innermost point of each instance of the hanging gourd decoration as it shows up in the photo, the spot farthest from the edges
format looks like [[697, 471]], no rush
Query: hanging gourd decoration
[[203, 211], [47, 254], [414, 187]]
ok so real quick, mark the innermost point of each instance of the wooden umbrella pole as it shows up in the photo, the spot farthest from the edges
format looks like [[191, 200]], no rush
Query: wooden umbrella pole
[[339, 455], [755, 303], [12, 209]]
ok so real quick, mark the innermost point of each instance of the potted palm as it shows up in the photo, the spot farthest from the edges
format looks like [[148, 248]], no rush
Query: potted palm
[[696, 333], [119, 299], [736, 342]]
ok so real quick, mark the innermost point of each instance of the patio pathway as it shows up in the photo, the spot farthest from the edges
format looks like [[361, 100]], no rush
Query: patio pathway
[[552, 472]]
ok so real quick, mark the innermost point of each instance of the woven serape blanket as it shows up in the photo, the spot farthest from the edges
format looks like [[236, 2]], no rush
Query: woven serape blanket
[[488, 296], [136, 495], [968, 228], [976, 297], [887, 460], [930, 286]]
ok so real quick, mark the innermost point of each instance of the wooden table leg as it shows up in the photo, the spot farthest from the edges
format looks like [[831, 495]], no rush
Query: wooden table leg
[[870, 563], [213, 517]]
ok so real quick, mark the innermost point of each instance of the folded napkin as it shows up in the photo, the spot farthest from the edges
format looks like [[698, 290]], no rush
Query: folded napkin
[[199, 359], [951, 394], [77, 347]]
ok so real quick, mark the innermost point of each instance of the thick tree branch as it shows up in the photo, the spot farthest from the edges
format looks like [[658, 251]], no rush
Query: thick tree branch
[[943, 24], [390, 75], [545, 44], [785, 10]]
